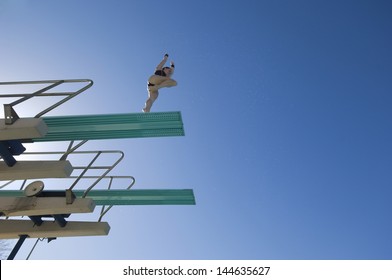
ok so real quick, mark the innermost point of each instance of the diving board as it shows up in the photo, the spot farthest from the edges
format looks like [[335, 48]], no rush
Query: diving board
[[112, 126], [13, 229], [124, 197], [22, 170]]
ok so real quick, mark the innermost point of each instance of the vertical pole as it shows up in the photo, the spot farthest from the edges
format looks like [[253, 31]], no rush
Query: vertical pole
[[22, 238]]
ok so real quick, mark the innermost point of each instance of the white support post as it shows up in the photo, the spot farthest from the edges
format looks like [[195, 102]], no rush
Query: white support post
[[36, 170], [39, 206], [25, 128], [13, 229]]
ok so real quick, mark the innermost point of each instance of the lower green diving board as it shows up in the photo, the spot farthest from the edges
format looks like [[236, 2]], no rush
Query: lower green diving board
[[125, 197]]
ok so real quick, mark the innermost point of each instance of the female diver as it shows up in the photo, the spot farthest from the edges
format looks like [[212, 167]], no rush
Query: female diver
[[160, 79]]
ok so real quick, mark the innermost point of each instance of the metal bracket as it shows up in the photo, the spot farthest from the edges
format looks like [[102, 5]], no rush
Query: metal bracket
[[60, 220], [34, 188], [22, 238], [37, 220], [10, 115], [69, 196]]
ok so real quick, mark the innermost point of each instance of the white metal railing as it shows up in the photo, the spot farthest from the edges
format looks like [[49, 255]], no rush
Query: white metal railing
[[9, 112]]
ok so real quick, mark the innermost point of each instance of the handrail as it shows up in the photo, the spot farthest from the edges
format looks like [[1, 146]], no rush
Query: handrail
[[103, 210], [111, 177], [9, 112], [85, 169], [89, 166], [104, 174], [72, 150], [36, 93]]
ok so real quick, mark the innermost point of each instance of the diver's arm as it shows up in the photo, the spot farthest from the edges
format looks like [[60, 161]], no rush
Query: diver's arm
[[172, 66], [160, 65]]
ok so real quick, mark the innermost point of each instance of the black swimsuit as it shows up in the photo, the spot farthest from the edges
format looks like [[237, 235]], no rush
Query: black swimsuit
[[159, 73]]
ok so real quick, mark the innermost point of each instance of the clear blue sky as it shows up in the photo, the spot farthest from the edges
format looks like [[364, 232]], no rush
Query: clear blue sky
[[287, 113]]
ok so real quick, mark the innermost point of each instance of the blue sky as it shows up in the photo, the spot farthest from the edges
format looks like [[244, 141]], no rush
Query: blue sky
[[287, 113]]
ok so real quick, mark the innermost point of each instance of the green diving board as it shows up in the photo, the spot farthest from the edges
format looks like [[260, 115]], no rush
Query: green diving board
[[112, 126], [126, 197]]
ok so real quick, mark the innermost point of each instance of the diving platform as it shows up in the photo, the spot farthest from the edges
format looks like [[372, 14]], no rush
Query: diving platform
[[122, 197], [13, 229], [112, 126], [38, 204], [84, 128], [22, 170]]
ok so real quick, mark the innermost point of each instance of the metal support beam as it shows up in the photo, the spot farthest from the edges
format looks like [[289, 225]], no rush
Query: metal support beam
[[39, 206], [17, 246], [60, 220], [11, 229], [23, 170], [24, 128], [37, 220]]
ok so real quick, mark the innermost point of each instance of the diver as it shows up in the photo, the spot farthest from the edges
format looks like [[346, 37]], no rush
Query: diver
[[160, 79]]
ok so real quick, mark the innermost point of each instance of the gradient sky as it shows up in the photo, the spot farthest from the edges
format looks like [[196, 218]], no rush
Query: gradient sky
[[287, 113]]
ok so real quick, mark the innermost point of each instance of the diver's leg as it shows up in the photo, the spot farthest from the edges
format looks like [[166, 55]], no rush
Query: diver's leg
[[156, 79], [161, 82], [166, 83], [152, 96]]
